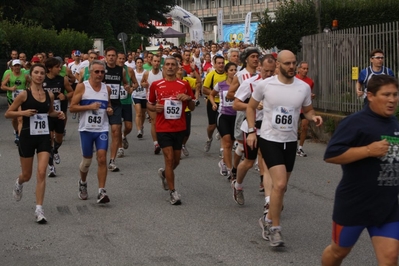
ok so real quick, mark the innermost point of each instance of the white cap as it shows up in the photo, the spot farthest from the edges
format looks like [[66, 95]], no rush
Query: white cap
[[16, 62]]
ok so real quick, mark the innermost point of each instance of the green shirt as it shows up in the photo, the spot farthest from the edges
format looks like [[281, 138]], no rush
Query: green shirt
[[128, 100], [147, 67]]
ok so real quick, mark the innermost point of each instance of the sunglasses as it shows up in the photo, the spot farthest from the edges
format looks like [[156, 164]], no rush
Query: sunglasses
[[99, 71]]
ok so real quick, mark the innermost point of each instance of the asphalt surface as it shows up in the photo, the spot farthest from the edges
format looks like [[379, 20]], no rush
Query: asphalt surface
[[140, 227]]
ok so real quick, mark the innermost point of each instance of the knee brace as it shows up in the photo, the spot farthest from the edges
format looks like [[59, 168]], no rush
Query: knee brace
[[239, 149], [84, 165]]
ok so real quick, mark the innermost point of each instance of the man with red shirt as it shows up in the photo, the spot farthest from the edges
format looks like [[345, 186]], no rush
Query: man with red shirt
[[187, 63], [169, 97], [302, 72]]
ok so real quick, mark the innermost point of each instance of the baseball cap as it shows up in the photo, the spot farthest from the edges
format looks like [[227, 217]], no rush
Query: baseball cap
[[76, 53], [16, 62], [35, 59]]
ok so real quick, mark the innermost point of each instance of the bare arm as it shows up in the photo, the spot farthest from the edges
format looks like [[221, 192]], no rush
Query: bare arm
[[359, 89], [233, 88], [5, 82], [251, 111], [310, 115], [132, 75], [68, 88]]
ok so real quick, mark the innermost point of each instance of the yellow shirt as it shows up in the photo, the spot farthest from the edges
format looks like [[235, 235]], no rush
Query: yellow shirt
[[212, 78]]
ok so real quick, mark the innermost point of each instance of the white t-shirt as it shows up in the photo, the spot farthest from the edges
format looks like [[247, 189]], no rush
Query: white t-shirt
[[131, 64], [243, 93], [282, 105]]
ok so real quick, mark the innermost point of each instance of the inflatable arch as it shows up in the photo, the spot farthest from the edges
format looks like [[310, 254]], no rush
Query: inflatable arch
[[189, 20]]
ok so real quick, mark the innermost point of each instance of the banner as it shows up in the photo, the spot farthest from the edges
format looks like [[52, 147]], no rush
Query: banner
[[220, 25], [247, 27], [235, 32]]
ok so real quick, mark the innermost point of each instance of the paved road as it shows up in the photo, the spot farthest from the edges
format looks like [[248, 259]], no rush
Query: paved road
[[139, 226]]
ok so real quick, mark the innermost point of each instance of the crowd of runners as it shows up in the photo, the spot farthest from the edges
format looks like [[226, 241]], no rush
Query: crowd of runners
[[255, 104]]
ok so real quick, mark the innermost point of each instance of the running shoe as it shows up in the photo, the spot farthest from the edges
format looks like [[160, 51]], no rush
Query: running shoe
[[112, 167], [157, 149], [276, 238], [17, 191], [301, 153], [208, 145], [161, 173], [120, 153], [197, 102], [51, 171], [223, 168], [83, 191], [74, 116], [235, 145], [265, 228], [16, 141], [56, 158], [217, 135], [238, 194], [175, 198], [221, 153], [102, 197], [140, 134], [40, 216], [125, 143], [185, 151]]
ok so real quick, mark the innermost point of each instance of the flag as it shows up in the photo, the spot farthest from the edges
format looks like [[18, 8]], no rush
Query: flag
[[220, 25], [247, 27]]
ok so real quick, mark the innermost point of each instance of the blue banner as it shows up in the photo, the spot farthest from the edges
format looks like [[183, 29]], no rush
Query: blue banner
[[237, 32]]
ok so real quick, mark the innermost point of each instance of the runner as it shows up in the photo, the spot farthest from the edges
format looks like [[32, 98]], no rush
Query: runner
[[149, 77], [302, 74], [34, 105], [15, 81], [282, 96], [58, 85], [168, 98], [226, 118], [367, 195], [214, 77], [126, 100], [92, 100], [139, 96], [242, 96], [114, 76]]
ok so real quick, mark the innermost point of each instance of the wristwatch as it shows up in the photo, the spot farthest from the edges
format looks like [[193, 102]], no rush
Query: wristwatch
[[251, 130]]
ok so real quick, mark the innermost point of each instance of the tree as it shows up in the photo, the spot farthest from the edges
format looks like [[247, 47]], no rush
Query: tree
[[98, 18], [292, 21]]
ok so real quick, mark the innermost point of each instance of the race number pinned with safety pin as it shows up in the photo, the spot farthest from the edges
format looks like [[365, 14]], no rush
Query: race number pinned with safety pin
[[123, 93], [15, 94], [283, 118], [57, 105], [39, 124], [172, 109], [115, 88]]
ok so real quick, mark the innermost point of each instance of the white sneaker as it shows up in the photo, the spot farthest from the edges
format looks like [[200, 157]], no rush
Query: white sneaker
[[56, 158], [17, 191], [120, 153], [185, 151], [40, 216], [51, 171]]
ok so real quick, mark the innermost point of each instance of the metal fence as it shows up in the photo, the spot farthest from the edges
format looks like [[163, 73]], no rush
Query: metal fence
[[332, 55]]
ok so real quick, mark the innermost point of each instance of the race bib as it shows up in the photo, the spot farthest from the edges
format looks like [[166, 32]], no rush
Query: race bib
[[95, 119], [140, 89], [227, 102], [15, 93], [39, 124], [283, 118], [114, 91], [173, 109], [123, 93], [57, 105]]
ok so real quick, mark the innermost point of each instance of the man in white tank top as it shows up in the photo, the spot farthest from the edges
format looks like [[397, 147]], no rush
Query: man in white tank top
[[148, 78], [91, 100]]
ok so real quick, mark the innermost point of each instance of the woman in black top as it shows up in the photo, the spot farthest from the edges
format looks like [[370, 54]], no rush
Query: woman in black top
[[34, 105]]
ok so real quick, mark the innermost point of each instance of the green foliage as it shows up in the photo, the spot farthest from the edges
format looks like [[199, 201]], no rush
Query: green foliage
[[30, 38], [292, 21], [99, 18], [329, 125], [356, 13], [296, 19]]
